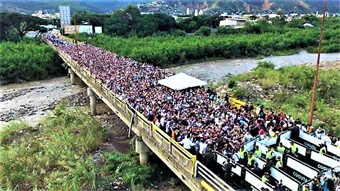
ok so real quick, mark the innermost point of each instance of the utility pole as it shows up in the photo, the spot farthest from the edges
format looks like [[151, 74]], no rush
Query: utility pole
[[317, 65]]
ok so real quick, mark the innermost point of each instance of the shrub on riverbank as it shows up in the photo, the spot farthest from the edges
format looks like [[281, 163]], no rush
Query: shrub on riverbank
[[127, 167], [289, 89], [51, 156], [28, 60]]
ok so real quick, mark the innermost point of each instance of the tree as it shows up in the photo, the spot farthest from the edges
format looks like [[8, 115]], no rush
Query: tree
[[118, 23], [165, 22], [18, 24], [221, 30], [146, 26], [204, 31]]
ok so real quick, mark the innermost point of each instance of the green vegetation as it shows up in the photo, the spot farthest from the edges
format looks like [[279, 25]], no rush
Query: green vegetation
[[289, 90], [127, 167], [165, 50], [14, 26], [165, 42], [50, 156], [58, 154], [28, 60]]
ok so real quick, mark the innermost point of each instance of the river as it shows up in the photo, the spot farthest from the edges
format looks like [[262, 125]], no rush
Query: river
[[211, 71], [31, 101]]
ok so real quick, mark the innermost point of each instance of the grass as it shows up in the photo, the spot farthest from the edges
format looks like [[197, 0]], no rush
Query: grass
[[51, 156], [294, 89], [58, 154], [127, 167]]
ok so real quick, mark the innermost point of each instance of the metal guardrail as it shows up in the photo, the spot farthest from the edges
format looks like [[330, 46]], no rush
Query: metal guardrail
[[212, 178]]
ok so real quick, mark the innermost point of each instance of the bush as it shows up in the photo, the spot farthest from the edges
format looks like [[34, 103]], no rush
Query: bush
[[28, 60], [127, 167], [232, 83], [240, 93], [178, 32], [222, 30], [51, 156], [203, 31], [265, 64]]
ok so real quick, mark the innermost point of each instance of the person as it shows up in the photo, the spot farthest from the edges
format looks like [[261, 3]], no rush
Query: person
[[267, 166], [293, 149], [202, 150], [226, 98], [337, 143], [280, 148], [279, 186], [242, 154], [279, 163], [248, 137], [256, 169], [210, 159], [315, 186], [187, 143], [257, 152], [270, 153], [265, 177], [228, 165], [323, 149], [327, 183], [251, 160], [305, 187], [336, 178]]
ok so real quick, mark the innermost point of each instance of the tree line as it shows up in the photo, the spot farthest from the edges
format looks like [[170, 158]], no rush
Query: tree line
[[170, 49], [28, 60]]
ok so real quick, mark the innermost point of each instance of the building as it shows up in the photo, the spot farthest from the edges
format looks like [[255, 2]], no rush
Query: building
[[65, 15], [236, 23], [45, 15], [74, 29]]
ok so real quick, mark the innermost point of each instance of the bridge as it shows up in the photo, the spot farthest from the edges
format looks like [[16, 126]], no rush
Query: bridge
[[185, 165], [151, 137]]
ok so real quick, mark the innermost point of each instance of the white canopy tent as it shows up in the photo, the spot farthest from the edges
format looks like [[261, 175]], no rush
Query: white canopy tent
[[181, 81]]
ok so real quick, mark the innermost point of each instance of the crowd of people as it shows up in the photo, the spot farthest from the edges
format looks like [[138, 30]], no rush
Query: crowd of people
[[196, 117]]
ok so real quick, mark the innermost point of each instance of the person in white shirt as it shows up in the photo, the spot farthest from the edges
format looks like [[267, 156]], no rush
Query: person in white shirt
[[187, 143], [202, 150], [326, 139], [248, 137]]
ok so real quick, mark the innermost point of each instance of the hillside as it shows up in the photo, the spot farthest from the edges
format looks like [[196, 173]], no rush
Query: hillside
[[287, 6], [231, 6], [30, 6]]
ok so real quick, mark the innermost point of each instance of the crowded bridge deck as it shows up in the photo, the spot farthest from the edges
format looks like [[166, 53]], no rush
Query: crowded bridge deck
[[211, 128]]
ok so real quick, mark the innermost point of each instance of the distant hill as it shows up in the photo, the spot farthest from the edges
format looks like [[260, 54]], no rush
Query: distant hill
[[257, 6], [287, 6], [98, 6], [231, 6]]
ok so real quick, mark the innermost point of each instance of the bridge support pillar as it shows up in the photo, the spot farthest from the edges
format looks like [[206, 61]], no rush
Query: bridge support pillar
[[143, 150], [92, 96], [72, 76]]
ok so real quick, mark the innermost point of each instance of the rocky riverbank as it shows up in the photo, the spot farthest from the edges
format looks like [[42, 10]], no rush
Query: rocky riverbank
[[32, 100]]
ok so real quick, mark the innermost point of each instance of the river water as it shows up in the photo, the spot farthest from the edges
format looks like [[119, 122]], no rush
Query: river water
[[32, 100], [211, 71]]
